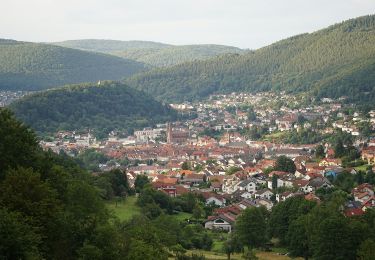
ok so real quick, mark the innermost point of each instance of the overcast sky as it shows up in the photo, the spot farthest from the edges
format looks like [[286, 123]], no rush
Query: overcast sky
[[243, 23]]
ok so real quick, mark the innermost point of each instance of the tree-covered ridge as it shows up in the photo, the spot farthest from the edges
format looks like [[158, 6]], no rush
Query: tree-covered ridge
[[335, 61], [108, 46], [34, 66], [152, 53], [102, 108], [173, 55]]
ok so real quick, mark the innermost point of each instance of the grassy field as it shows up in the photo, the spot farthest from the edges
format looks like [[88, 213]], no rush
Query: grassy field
[[273, 136], [124, 209], [361, 168], [127, 208], [182, 216]]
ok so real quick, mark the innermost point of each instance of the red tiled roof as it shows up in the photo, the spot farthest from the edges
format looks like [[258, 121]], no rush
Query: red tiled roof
[[353, 212]]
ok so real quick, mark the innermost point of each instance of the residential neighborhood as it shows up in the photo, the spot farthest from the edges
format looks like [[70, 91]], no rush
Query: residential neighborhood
[[218, 154]]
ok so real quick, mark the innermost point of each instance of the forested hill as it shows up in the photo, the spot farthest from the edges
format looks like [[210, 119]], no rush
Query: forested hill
[[152, 53], [177, 54], [336, 61], [34, 66], [108, 46], [102, 108]]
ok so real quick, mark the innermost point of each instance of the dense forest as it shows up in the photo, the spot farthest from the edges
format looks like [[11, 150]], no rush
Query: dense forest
[[109, 46], [34, 66], [177, 54], [101, 108], [50, 208], [152, 53], [333, 62]]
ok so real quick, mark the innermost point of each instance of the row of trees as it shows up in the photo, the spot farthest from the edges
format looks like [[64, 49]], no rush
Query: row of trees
[[307, 230]]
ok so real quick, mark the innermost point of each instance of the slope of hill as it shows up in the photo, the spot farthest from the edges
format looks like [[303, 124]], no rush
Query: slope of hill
[[177, 54], [109, 46], [152, 53], [102, 108], [336, 61], [33, 66]]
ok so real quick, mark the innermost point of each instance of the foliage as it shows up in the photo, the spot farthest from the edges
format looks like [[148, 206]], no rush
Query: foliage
[[319, 151], [232, 245], [251, 227], [333, 62], [140, 182], [232, 169], [36, 66], [152, 53], [304, 136], [366, 250], [101, 108], [48, 204], [90, 159], [321, 231], [284, 213], [18, 240], [113, 184], [18, 148], [285, 164]]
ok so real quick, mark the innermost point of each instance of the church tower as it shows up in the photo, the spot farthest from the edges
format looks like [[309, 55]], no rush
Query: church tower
[[169, 133]]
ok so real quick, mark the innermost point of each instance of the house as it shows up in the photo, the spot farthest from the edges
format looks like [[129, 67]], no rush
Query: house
[[370, 203], [168, 189], [244, 204], [212, 198], [362, 196], [285, 195], [264, 194], [312, 197], [353, 212], [281, 182], [268, 204], [278, 174], [319, 182], [302, 185], [223, 221], [364, 187], [249, 185], [330, 162], [193, 178], [216, 186], [239, 195]]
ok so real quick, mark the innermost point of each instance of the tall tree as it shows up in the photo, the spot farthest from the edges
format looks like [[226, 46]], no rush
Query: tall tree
[[18, 144], [285, 164], [251, 227]]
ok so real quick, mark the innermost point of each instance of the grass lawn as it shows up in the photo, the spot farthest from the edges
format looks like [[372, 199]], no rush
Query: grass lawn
[[125, 209], [182, 216], [361, 168], [275, 135]]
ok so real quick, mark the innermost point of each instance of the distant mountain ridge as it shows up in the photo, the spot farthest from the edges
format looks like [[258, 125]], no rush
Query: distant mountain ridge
[[333, 62], [35, 66], [152, 53], [109, 46], [100, 107]]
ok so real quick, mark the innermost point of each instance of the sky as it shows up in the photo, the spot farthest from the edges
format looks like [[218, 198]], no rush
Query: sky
[[243, 23]]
